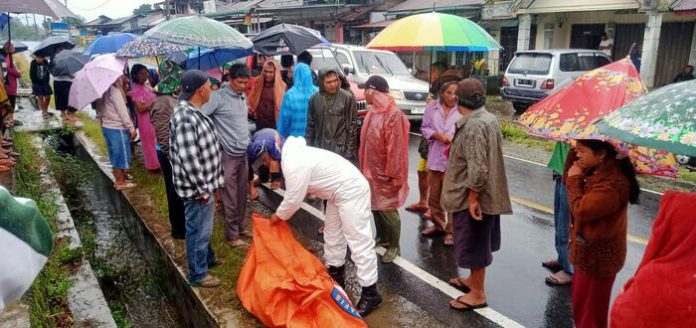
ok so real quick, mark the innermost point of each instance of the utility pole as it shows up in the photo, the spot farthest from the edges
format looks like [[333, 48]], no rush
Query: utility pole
[[166, 9]]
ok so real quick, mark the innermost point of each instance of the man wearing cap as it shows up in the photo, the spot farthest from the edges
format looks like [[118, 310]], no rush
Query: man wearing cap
[[475, 190], [331, 117], [196, 165], [384, 162], [228, 110], [264, 141], [330, 177]]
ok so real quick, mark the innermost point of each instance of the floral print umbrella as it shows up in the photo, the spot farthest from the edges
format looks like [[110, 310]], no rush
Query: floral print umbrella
[[664, 119], [569, 113], [145, 47]]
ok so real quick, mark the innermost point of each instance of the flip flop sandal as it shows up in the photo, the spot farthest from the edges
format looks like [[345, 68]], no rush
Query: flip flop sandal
[[469, 307], [207, 282], [552, 281], [449, 240], [236, 244], [457, 283], [552, 266], [432, 231], [127, 185]]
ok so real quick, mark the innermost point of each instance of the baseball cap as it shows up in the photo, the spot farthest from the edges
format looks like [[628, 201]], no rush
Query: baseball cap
[[264, 141], [471, 93], [190, 82], [375, 82]]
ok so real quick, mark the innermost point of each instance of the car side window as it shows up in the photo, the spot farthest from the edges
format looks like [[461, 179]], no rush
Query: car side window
[[342, 59], [601, 60], [569, 62], [586, 62]]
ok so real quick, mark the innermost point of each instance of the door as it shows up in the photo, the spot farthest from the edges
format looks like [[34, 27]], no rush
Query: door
[[673, 51], [586, 36], [626, 36], [508, 40]]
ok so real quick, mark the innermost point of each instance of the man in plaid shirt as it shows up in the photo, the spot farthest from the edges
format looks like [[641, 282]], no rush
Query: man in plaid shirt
[[196, 166]]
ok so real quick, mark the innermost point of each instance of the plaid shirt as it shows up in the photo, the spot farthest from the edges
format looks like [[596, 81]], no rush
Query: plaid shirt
[[195, 153]]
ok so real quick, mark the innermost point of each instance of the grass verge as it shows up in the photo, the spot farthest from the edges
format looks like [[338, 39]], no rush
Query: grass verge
[[513, 133], [47, 297]]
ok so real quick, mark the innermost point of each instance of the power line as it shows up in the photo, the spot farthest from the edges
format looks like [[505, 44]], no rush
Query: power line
[[95, 8]]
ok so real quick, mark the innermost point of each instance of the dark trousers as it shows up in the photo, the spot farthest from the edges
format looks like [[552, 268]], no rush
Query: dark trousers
[[590, 299], [177, 216], [234, 194]]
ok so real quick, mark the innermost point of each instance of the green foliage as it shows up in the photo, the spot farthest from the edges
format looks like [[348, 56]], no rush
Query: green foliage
[[143, 9], [516, 134], [23, 32]]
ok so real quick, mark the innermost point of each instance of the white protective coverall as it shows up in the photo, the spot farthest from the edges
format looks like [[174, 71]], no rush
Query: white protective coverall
[[348, 217]]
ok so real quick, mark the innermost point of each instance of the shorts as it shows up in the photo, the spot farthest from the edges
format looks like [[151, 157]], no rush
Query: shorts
[[422, 165], [475, 241], [41, 90], [118, 146]]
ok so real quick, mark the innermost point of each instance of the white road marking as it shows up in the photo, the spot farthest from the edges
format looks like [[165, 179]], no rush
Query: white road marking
[[421, 274]]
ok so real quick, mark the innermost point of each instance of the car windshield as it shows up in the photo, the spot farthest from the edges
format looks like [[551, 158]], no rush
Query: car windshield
[[372, 62], [323, 58], [530, 63]]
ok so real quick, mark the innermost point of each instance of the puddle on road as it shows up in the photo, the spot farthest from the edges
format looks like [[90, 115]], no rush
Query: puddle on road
[[131, 290]]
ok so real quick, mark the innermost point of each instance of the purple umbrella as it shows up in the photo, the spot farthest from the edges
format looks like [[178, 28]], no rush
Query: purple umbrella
[[94, 79]]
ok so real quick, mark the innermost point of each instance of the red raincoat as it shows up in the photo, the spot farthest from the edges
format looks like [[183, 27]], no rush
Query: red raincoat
[[662, 293], [384, 152]]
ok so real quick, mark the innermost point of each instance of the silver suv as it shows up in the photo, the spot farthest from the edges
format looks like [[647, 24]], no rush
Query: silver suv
[[358, 63], [532, 75]]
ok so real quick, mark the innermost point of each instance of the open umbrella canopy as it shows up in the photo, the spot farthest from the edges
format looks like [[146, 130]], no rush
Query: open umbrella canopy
[[198, 31], [287, 39], [146, 47], [49, 45], [663, 119], [109, 44], [19, 47], [68, 63], [434, 31], [569, 113], [53, 8], [94, 79], [213, 58]]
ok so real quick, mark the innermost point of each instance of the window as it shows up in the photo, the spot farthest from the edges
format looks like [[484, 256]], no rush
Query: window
[[601, 61], [586, 62], [569, 63], [530, 63], [342, 59], [548, 36]]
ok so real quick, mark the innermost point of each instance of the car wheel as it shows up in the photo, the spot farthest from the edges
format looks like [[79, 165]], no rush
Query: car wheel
[[520, 107]]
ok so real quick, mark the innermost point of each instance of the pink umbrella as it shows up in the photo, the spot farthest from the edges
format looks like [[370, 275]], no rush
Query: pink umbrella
[[92, 81]]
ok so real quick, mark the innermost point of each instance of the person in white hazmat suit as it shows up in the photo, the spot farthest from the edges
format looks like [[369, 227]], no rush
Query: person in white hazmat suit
[[329, 176]]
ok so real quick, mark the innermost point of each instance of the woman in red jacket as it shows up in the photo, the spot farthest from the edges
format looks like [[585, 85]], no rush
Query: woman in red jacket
[[600, 184]]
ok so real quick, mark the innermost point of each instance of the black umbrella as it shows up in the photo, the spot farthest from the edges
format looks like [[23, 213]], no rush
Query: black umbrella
[[287, 39], [68, 63], [48, 46], [19, 47]]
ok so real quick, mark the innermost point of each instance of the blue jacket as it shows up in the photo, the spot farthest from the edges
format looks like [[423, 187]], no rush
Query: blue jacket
[[293, 111]]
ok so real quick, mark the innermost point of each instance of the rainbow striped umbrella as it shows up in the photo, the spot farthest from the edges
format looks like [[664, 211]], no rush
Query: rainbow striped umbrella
[[434, 31]]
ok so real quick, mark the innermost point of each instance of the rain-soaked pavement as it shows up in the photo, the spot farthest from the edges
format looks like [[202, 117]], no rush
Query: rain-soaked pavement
[[517, 293]]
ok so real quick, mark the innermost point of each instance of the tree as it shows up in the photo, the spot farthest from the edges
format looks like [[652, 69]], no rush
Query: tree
[[143, 9], [47, 23], [74, 21], [20, 31]]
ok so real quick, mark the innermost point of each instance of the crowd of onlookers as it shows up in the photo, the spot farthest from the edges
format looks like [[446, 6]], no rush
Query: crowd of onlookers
[[195, 131]]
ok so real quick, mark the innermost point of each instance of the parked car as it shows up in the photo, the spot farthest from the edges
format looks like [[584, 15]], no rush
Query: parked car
[[534, 74], [359, 63]]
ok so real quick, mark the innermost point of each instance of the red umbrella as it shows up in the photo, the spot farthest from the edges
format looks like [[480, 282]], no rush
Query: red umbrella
[[569, 113]]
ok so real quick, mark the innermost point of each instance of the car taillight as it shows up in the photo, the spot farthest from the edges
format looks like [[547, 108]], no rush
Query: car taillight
[[505, 82], [548, 85]]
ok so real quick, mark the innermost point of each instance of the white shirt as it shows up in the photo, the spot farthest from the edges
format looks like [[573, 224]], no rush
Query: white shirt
[[607, 43], [319, 172]]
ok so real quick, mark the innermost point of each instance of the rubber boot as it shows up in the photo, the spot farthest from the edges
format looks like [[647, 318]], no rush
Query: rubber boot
[[338, 274], [369, 300], [381, 238], [393, 231]]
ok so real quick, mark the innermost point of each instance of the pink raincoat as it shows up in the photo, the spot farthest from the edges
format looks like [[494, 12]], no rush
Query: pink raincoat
[[384, 152]]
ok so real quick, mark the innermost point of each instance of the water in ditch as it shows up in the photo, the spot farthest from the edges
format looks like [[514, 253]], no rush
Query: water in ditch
[[130, 287]]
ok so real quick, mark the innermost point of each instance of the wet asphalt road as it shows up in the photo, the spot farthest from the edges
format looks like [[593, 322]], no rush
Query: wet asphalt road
[[515, 281]]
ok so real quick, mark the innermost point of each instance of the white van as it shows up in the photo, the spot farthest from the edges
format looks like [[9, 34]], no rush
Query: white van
[[359, 63], [532, 75]]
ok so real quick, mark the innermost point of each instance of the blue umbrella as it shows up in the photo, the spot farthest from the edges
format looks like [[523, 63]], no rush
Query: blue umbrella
[[205, 59], [109, 44], [19, 47]]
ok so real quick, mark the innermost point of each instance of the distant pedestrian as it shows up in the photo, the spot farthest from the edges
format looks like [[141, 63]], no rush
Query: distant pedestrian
[[118, 130], [61, 93], [12, 75], [142, 96], [560, 266], [306, 58], [266, 96], [687, 74], [197, 168], [287, 64], [438, 128], [293, 112], [160, 115], [600, 184], [384, 162], [40, 76], [227, 108], [606, 45], [476, 191]]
